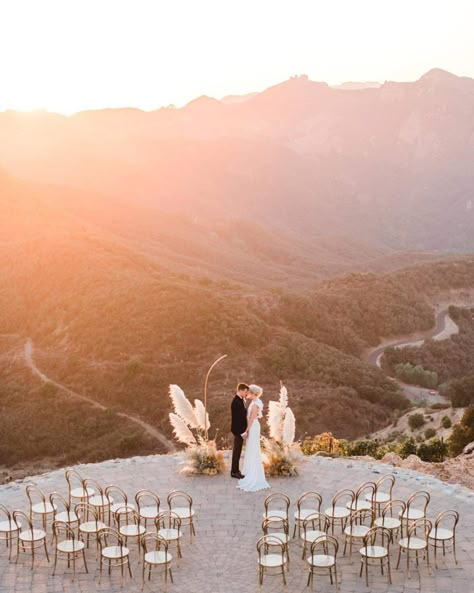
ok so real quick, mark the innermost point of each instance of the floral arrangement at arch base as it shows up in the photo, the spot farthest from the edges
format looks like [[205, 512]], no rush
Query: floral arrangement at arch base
[[190, 424], [282, 455]]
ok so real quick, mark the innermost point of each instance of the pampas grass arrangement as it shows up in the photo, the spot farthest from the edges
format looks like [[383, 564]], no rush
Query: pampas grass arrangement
[[190, 425], [282, 454]]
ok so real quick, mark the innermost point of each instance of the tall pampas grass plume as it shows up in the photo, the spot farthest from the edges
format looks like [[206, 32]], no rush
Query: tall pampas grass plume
[[283, 396], [182, 406], [289, 427], [275, 420], [201, 416], [181, 430]]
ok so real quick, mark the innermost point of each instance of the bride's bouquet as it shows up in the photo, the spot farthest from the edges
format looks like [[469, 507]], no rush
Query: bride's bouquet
[[190, 424], [282, 454]]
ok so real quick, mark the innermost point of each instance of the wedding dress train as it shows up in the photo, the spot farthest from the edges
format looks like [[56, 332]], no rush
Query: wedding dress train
[[253, 465]]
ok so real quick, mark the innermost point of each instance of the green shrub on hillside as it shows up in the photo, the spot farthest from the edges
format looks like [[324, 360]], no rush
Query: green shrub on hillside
[[416, 421], [433, 451], [463, 433], [446, 422], [430, 433]]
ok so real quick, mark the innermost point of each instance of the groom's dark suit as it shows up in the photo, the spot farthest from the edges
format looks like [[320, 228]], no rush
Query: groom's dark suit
[[238, 426]]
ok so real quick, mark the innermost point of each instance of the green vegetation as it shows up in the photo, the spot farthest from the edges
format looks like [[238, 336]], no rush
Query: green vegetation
[[446, 422], [416, 421], [433, 451], [430, 433], [416, 375], [463, 433]]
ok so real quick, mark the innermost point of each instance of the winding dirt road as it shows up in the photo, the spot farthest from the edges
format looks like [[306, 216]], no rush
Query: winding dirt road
[[151, 430]]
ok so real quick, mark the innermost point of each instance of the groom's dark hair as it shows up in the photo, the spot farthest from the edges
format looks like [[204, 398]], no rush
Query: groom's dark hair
[[242, 386]]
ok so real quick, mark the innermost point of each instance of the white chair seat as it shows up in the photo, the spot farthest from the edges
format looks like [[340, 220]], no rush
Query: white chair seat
[[280, 536], [412, 514], [388, 522], [337, 512], [170, 534], [303, 514], [66, 517], [149, 512], [43, 508], [7, 527], [132, 530], [70, 546], [183, 512], [312, 535], [379, 498], [441, 533], [32, 535], [373, 552], [321, 560], [124, 508], [115, 552], [158, 557], [100, 500], [356, 530], [82, 492], [275, 513], [359, 505], [272, 560], [92, 526], [415, 543]]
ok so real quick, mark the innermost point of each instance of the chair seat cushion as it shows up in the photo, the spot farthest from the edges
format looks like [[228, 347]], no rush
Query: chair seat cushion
[[149, 512], [66, 517], [356, 530], [32, 535], [158, 557], [115, 552], [413, 543], [124, 508], [412, 514], [100, 500], [275, 513], [321, 560], [388, 522], [280, 536], [337, 512], [272, 560], [302, 514], [82, 492], [7, 527], [441, 533], [43, 508], [359, 505], [132, 530], [183, 512], [170, 534], [311, 536], [69, 546], [373, 551], [380, 497], [91, 526]]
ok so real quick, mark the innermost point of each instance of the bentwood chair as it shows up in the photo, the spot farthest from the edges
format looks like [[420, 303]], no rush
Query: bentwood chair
[[387, 519], [272, 558], [181, 504], [307, 504], [168, 526], [360, 502], [358, 526], [9, 529], [99, 500], [415, 543], [339, 511], [67, 545], [415, 509], [383, 493], [315, 526], [77, 492], [118, 502], [29, 538], [114, 552], [63, 512], [132, 528], [276, 505], [280, 529], [155, 555], [443, 534], [375, 551], [148, 505], [39, 504], [89, 524], [323, 557]]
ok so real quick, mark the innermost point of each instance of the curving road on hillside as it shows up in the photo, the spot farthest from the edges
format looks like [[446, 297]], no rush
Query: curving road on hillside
[[150, 430], [443, 328]]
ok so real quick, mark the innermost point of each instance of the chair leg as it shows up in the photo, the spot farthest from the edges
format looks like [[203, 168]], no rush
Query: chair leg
[[143, 576], [399, 557], [55, 562], [46, 550], [84, 557], [389, 570], [129, 567], [367, 572], [454, 550], [428, 558], [436, 553]]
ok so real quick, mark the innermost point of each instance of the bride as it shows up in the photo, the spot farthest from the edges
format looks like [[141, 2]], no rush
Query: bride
[[254, 476]]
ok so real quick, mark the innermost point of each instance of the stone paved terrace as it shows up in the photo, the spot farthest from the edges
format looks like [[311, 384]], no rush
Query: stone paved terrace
[[222, 558]]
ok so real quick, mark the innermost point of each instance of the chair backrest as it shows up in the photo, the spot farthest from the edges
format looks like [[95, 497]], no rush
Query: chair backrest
[[326, 544], [270, 543], [278, 501], [58, 501], [366, 488], [394, 507], [343, 496], [275, 523], [33, 492], [94, 484], [419, 529], [385, 483], [168, 520], [109, 536], [361, 517], [128, 515], [147, 498], [153, 542], [22, 520], [378, 536], [447, 519], [62, 530], [86, 512], [419, 499], [310, 500], [116, 493], [73, 477], [7, 515], [179, 498]]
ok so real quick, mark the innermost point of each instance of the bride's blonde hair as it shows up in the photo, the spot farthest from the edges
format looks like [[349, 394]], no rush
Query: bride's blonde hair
[[256, 390]]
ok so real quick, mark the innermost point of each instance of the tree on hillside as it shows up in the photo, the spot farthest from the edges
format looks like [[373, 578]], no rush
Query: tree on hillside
[[463, 433]]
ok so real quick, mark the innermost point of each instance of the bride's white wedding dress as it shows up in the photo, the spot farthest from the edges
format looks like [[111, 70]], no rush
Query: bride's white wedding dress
[[253, 466]]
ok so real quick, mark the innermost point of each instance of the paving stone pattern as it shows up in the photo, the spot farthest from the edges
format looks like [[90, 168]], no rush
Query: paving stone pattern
[[222, 558]]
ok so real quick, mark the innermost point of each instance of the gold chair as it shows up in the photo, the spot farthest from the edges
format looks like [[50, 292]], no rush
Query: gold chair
[[9, 529], [280, 529], [339, 511], [277, 505], [323, 557], [39, 505], [69, 546], [99, 500], [271, 557], [148, 505], [413, 512], [444, 533], [132, 529], [76, 490], [66, 515], [388, 521], [360, 502], [315, 526], [307, 504], [381, 497], [113, 551], [416, 543], [357, 527], [29, 538], [118, 502], [181, 504], [89, 524], [155, 554], [374, 551], [168, 526]]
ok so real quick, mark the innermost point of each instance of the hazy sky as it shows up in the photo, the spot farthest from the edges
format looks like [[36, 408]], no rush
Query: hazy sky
[[69, 55]]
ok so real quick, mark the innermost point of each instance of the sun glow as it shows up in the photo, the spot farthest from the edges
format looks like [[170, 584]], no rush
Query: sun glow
[[69, 55]]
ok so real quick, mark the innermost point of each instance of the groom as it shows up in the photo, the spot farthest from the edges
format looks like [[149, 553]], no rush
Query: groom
[[238, 427]]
